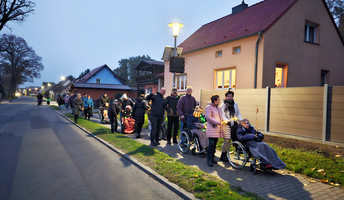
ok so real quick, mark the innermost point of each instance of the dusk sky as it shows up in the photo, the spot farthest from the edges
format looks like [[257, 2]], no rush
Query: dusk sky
[[72, 36]]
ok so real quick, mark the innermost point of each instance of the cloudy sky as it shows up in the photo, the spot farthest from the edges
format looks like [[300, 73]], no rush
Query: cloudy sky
[[73, 35]]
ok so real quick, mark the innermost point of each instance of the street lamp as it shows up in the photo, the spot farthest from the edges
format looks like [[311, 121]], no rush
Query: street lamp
[[175, 29], [63, 78]]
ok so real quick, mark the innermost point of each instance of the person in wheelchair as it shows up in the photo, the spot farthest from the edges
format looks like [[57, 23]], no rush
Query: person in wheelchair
[[103, 113], [252, 139], [128, 122], [196, 123]]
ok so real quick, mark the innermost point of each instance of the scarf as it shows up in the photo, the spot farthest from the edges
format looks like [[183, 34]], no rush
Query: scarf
[[229, 107]]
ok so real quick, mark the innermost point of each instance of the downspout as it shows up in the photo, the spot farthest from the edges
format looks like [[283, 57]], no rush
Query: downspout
[[256, 59]]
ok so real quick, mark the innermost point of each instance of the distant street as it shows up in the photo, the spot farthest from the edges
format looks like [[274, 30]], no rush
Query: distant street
[[43, 156]]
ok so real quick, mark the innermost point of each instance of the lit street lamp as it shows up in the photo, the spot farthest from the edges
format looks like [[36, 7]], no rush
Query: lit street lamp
[[63, 78], [175, 29]]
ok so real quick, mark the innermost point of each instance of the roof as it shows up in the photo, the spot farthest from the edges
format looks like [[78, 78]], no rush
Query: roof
[[145, 64], [94, 72], [102, 86], [256, 18]]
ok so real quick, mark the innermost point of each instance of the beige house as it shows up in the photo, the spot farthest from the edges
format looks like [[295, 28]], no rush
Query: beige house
[[275, 43]]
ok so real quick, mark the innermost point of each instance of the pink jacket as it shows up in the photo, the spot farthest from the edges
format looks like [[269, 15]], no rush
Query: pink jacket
[[213, 114]]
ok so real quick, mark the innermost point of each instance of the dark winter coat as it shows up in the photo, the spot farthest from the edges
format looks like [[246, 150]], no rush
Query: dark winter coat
[[113, 111], [139, 111], [186, 105], [78, 105], [245, 135], [104, 100], [158, 104], [191, 120], [171, 105], [126, 103], [60, 101]]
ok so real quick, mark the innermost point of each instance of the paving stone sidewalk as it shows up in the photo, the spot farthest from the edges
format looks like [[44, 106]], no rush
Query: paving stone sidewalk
[[281, 184]]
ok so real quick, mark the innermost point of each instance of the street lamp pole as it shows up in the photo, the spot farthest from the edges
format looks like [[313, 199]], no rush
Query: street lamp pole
[[174, 55], [175, 28]]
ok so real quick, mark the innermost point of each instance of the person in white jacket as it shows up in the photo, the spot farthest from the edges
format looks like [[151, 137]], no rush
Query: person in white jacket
[[230, 110]]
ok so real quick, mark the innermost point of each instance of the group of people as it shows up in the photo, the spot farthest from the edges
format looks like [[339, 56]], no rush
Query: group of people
[[220, 120]]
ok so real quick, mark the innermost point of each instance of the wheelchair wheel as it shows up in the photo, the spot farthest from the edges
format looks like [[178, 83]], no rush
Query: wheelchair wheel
[[237, 155], [196, 144], [184, 142]]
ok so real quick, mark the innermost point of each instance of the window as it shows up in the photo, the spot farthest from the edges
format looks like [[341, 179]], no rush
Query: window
[[98, 80], [310, 32], [218, 54], [148, 91], [225, 78], [324, 77], [181, 82], [236, 50], [281, 75]]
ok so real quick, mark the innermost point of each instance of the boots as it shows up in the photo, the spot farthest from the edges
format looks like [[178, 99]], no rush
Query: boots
[[224, 157]]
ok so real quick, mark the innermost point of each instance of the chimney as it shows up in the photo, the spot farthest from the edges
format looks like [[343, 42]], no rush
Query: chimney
[[239, 8]]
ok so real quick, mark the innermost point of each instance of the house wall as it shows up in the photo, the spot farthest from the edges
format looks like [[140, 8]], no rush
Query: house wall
[[200, 65], [96, 93], [154, 87], [284, 43], [105, 76]]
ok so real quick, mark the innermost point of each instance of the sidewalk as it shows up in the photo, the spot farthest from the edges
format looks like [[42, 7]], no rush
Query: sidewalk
[[280, 184]]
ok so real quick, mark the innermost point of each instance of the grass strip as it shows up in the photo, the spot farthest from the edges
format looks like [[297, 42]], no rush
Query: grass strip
[[329, 170], [192, 179]]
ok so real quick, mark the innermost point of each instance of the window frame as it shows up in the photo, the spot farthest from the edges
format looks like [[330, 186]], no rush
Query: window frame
[[231, 69], [217, 54], [307, 35], [324, 80], [178, 82], [234, 48]]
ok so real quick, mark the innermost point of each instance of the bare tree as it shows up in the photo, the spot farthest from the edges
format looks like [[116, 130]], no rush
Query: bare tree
[[336, 8], [18, 61], [14, 10]]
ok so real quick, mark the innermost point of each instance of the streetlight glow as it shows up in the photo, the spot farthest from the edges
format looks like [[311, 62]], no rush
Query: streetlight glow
[[63, 78], [49, 84], [175, 28]]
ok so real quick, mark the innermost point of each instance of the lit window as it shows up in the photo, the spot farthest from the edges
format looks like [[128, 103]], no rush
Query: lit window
[[310, 32], [181, 82], [281, 75], [218, 54], [225, 78], [236, 50]]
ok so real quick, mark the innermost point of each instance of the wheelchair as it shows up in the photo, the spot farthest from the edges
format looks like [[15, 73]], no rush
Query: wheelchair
[[188, 139], [239, 154]]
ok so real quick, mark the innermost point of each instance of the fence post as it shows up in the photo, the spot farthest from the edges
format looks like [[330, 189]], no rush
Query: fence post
[[200, 97], [267, 109], [324, 121]]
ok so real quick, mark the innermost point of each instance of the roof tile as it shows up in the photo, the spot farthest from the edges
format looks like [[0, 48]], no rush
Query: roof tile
[[252, 20]]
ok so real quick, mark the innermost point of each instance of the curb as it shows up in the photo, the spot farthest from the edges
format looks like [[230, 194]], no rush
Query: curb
[[161, 179]]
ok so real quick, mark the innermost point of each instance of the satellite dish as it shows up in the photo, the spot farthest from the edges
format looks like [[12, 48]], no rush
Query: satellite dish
[[168, 53]]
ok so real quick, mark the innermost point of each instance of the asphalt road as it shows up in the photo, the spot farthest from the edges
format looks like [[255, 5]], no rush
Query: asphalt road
[[43, 156]]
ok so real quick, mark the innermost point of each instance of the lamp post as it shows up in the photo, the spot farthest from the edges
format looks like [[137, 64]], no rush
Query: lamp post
[[175, 29]]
